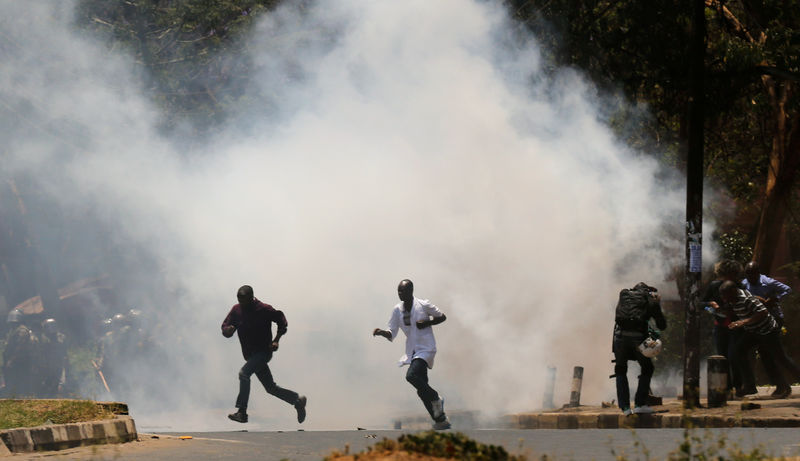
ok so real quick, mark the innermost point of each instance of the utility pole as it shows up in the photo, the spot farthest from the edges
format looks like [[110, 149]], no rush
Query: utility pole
[[694, 207]]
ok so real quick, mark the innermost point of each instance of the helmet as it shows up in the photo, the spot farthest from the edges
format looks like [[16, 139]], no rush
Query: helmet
[[14, 316], [50, 326], [134, 317], [118, 320], [650, 347]]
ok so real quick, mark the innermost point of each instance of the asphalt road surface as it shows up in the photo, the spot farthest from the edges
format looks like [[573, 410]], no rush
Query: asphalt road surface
[[586, 444]]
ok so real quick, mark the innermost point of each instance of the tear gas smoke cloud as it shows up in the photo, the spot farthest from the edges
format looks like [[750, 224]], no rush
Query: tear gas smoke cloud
[[410, 139]]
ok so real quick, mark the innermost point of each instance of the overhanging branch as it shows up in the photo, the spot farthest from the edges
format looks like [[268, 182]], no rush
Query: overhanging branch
[[777, 72], [738, 28]]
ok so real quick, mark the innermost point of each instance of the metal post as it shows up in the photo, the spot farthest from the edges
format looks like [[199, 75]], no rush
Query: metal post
[[694, 208], [717, 369], [549, 389], [577, 382]]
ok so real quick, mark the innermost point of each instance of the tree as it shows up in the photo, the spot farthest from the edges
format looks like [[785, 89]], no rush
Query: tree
[[189, 52], [766, 34], [751, 112]]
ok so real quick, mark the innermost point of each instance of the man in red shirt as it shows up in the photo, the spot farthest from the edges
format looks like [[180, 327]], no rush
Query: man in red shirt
[[253, 321]]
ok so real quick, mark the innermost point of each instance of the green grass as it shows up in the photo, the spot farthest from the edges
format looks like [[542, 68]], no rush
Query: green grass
[[30, 413], [441, 445]]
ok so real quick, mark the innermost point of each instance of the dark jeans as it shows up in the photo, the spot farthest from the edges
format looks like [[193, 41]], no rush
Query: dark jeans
[[257, 363], [773, 356], [625, 350], [725, 342], [417, 375]]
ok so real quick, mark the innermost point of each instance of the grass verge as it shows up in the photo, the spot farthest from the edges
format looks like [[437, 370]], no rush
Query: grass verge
[[430, 445], [35, 412], [443, 446]]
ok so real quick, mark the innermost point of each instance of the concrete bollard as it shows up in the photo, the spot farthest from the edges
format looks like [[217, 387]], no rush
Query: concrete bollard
[[549, 389], [577, 382], [717, 371]]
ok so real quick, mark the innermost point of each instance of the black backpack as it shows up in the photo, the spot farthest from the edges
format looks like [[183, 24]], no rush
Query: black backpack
[[632, 311]]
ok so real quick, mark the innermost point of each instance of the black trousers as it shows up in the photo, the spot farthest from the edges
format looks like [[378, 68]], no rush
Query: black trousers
[[725, 341], [258, 364], [625, 350], [417, 375], [773, 356]]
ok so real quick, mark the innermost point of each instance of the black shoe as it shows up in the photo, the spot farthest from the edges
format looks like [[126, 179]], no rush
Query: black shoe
[[782, 393], [240, 416], [300, 406]]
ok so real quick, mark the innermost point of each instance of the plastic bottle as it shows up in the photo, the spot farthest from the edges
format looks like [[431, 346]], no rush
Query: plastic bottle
[[713, 311]]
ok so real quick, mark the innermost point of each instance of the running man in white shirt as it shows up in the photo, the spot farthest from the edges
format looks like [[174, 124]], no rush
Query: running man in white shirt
[[415, 317]]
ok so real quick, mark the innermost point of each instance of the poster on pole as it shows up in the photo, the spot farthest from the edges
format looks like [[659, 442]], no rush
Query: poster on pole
[[695, 258]]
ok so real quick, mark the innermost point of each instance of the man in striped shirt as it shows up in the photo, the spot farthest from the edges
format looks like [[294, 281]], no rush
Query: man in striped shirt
[[762, 331]]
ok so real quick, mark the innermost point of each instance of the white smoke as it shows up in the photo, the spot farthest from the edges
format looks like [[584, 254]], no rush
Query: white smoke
[[410, 139]]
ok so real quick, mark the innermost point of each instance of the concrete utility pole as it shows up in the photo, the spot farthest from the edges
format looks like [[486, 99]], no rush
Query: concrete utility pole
[[694, 207]]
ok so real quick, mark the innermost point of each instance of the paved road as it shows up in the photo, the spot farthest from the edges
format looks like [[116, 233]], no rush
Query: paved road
[[599, 444]]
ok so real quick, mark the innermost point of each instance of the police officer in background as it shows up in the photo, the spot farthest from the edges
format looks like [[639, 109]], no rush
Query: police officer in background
[[19, 357], [55, 365], [131, 342], [108, 357]]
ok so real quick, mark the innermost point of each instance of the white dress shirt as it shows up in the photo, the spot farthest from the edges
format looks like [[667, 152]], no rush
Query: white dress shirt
[[420, 344]]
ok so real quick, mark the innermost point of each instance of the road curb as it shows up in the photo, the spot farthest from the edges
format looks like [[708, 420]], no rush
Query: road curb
[[642, 421], [120, 429]]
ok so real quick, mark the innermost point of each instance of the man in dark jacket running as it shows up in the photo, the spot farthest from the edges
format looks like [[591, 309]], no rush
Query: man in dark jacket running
[[253, 320]]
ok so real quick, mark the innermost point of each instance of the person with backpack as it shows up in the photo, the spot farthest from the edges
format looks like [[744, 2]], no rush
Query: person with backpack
[[635, 308]]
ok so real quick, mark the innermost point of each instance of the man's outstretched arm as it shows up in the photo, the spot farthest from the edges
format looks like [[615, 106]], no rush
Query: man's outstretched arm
[[394, 325], [385, 333]]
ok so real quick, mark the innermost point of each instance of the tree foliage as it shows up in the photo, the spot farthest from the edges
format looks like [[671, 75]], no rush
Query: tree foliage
[[752, 113], [189, 52], [195, 63]]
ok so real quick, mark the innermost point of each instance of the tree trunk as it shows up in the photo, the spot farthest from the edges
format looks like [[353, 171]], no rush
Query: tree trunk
[[783, 168]]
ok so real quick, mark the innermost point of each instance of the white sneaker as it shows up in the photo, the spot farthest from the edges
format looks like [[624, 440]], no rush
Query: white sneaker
[[438, 409], [644, 409], [627, 412], [441, 425]]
